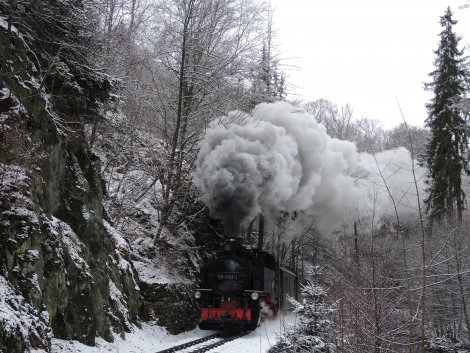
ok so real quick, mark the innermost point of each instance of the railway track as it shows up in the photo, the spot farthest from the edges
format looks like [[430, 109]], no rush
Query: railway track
[[204, 344]]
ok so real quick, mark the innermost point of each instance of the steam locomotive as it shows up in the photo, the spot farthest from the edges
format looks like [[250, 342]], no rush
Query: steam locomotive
[[240, 285]]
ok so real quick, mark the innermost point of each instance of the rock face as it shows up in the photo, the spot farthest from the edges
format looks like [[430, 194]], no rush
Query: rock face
[[63, 268], [173, 303]]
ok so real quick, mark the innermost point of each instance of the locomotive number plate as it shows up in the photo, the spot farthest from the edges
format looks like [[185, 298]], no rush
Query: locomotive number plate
[[224, 276]]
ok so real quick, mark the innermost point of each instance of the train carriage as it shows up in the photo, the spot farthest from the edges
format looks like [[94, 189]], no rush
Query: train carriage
[[290, 285]]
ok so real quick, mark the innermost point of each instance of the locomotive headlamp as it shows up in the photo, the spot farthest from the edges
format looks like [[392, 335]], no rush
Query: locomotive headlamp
[[228, 247], [255, 295], [197, 294]]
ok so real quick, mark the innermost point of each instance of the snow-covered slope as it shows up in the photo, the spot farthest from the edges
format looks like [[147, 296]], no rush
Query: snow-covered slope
[[152, 338]]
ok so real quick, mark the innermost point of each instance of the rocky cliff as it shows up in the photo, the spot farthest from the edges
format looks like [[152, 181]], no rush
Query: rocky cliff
[[64, 271]]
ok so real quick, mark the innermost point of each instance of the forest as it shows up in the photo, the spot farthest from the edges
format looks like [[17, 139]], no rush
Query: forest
[[125, 125]]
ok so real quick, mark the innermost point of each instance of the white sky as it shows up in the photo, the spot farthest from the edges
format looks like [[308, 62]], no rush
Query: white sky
[[364, 52]]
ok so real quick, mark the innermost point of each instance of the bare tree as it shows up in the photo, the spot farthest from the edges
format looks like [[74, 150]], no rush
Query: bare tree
[[201, 47], [369, 136], [399, 137], [338, 123]]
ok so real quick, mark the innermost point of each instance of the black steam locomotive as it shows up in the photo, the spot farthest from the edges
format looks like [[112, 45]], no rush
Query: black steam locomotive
[[240, 285]]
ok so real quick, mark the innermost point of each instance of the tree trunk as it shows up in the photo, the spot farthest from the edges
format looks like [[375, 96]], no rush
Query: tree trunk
[[260, 232], [458, 261], [168, 206]]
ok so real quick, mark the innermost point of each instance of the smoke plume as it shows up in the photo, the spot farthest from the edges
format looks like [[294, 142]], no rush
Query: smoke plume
[[283, 159]]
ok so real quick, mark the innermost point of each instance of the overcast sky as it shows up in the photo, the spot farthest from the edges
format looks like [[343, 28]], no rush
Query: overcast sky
[[364, 52]]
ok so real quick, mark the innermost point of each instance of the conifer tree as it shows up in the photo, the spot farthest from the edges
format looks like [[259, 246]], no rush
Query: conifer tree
[[314, 332], [268, 81], [446, 151]]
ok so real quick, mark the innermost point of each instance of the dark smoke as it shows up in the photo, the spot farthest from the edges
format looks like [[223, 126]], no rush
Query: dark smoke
[[282, 159], [232, 202]]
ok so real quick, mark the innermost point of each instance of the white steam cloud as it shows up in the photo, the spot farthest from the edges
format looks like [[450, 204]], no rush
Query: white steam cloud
[[283, 159]]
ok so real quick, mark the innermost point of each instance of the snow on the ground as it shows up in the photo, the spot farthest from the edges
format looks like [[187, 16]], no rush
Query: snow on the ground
[[153, 338]]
